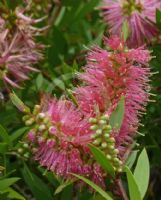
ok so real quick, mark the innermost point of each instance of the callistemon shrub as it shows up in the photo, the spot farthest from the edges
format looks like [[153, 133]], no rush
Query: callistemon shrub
[[18, 49], [61, 131], [111, 73], [140, 16]]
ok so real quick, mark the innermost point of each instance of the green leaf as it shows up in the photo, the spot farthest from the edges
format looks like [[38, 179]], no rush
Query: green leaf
[[12, 194], [18, 103], [95, 187], [131, 159], [67, 193], [39, 81], [18, 133], [125, 30], [97, 197], [132, 185], [158, 18], [3, 147], [102, 160], [57, 48], [72, 97], [5, 183], [62, 186], [4, 135], [39, 189], [59, 83], [117, 116], [142, 172]]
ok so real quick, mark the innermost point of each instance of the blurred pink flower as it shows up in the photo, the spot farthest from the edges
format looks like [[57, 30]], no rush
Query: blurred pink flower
[[140, 15], [111, 74], [17, 58], [18, 49]]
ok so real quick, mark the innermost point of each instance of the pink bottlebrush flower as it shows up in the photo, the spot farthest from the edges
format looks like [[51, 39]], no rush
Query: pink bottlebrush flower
[[108, 75], [18, 49], [139, 14], [61, 140]]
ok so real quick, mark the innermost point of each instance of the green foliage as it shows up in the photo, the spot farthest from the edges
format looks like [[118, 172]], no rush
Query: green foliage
[[95, 187], [102, 160], [5, 183], [125, 30], [141, 172], [117, 116], [61, 187], [158, 18], [36, 185], [132, 185]]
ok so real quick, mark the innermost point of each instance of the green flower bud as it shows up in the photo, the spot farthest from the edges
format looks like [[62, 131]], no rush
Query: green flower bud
[[41, 116], [42, 127], [115, 151], [29, 122], [25, 145], [111, 140], [34, 149], [93, 136], [116, 160], [20, 150], [92, 120], [105, 117], [94, 127], [36, 109], [26, 155], [102, 122], [97, 141], [120, 162], [111, 147], [107, 128], [108, 157], [106, 135], [26, 117], [119, 169], [104, 145], [46, 120], [98, 131]]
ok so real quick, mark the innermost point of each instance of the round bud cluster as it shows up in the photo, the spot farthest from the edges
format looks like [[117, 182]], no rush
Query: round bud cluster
[[41, 129], [24, 151], [103, 139]]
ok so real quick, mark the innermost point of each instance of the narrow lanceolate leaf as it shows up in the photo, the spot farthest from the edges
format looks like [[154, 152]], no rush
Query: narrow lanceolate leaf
[[4, 135], [95, 187], [158, 18], [125, 30], [117, 116], [3, 147], [18, 103], [134, 191], [5, 183], [18, 133], [37, 186], [12, 194], [62, 186], [142, 172], [102, 160]]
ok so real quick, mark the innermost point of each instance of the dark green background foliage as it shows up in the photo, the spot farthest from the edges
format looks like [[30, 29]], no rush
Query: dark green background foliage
[[75, 25]]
